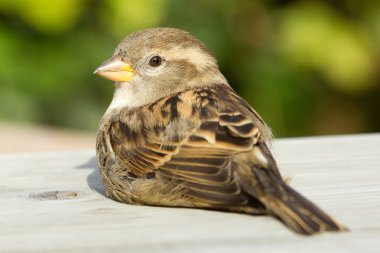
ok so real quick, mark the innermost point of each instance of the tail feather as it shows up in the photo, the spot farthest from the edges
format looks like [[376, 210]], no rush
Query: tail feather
[[298, 213]]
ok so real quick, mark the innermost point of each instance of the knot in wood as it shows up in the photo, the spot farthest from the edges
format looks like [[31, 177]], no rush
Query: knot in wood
[[54, 195]]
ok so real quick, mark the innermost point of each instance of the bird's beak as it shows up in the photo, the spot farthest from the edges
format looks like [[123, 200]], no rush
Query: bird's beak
[[116, 70]]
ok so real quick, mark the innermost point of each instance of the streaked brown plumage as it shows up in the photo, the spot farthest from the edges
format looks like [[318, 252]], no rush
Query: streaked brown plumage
[[176, 134]]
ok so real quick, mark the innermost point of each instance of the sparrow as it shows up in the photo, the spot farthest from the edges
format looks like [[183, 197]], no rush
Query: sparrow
[[176, 134]]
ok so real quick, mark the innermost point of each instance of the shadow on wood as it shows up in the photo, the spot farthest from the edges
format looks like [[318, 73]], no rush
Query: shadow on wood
[[94, 180]]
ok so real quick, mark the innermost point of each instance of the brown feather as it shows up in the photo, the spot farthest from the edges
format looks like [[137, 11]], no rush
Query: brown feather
[[194, 155]]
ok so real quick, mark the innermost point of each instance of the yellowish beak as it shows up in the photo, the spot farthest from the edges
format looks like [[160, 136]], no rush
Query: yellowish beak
[[115, 69]]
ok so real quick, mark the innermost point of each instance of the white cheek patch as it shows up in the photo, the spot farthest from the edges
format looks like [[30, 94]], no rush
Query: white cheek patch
[[125, 96]]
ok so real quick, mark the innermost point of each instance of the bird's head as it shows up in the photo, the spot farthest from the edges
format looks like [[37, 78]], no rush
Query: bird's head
[[156, 62]]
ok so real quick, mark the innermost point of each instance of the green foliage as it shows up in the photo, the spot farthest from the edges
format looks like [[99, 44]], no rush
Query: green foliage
[[314, 36], [307, 67]]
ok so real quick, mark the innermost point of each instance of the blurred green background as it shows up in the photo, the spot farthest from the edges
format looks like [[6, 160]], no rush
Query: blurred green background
[[308, 67]]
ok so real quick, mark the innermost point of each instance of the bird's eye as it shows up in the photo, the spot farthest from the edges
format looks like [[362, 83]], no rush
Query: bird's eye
[[155, 61]]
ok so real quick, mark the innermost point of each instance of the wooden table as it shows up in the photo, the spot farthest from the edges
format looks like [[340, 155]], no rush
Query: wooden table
[[54, 202]]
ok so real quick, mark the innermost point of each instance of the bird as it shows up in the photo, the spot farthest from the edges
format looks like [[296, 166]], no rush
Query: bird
[[176, 134]]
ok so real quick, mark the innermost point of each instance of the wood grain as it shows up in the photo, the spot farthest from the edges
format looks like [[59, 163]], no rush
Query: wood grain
[[54, 202]]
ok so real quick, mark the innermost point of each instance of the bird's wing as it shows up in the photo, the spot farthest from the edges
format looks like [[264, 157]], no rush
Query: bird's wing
[[190, 139]]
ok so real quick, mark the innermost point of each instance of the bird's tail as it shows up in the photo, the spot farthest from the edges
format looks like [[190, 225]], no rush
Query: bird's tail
[[298, 213]]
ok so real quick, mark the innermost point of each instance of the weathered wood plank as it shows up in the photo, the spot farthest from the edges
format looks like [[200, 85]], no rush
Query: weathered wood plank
[[341, 174]]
